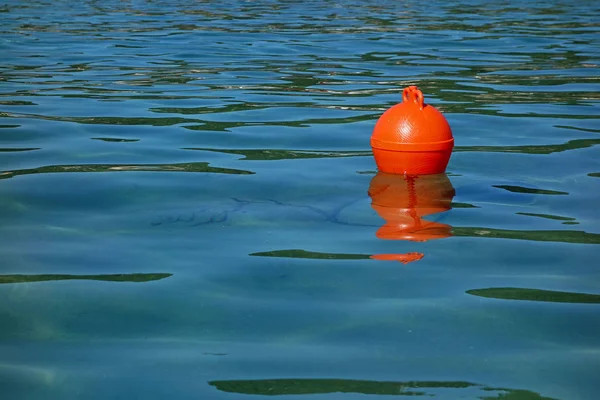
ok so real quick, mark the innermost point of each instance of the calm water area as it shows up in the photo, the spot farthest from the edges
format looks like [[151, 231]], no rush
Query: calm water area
[[190, 208]]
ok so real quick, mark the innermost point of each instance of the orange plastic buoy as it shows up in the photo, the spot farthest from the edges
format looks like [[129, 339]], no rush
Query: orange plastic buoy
[[412, 137], [402, 201]]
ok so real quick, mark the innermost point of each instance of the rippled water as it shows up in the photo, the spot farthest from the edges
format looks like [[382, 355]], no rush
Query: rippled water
[[190, 208]]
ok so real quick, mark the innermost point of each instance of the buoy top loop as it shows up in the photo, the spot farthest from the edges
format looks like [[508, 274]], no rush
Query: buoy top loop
[[415, 93]]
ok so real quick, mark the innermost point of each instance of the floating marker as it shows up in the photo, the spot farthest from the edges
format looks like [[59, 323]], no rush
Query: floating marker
[[412, 138]]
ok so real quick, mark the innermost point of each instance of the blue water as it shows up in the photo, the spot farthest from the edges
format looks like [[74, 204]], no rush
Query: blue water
[[188, 209]]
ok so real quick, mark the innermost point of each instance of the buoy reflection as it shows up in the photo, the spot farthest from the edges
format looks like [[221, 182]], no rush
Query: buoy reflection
[[403, 201]]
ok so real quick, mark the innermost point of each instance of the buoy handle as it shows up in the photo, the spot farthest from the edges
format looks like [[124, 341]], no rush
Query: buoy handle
[[413, 93]]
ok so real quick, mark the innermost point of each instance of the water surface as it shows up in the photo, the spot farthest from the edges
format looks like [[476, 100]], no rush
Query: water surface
[[190, 208]]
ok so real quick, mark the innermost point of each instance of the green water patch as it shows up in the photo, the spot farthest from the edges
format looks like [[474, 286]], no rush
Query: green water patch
[[225, 126], [280, 387], [17, 103], [561, 236], [533, 149], [297, 253], [211, 110], [19, 278], [105, 120], [462, 205], [510, 293], [126, 46], [575, 128], [16, 149], [268, 154], [183, 167], [522, 189], [107, 139], [547, 216]]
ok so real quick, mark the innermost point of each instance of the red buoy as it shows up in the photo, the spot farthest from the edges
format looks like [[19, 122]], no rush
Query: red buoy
[[412, 138]]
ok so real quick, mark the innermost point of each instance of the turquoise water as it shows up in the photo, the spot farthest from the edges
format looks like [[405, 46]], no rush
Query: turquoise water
[[189, 201]]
